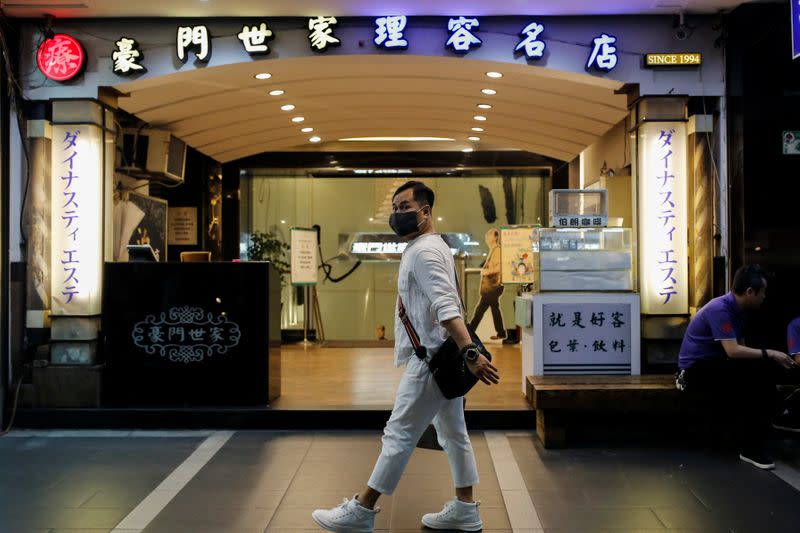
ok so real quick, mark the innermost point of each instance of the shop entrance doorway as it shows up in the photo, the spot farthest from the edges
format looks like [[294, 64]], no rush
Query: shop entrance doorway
[[381, 112]]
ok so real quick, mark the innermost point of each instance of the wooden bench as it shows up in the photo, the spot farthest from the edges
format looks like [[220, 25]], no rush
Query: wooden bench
[[554, 396]]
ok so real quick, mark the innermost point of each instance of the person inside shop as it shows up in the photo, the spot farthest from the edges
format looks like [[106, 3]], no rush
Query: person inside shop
[[789, 418], [491, 289], [427, 287], [716, 364]]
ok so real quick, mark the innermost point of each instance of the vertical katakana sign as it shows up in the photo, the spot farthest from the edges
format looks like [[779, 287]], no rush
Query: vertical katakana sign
[[76, 220], [663, 218]]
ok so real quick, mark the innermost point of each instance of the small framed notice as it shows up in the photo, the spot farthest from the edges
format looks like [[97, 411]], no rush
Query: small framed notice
[[304, 256], [182, 226]]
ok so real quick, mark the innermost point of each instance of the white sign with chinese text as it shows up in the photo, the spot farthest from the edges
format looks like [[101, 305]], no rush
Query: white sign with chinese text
[[516, 255], [304, 256], [182, 223], [663, 213], [76, 222], [586, 333]]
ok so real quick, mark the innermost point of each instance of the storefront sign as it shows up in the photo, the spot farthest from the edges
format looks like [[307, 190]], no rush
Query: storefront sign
[[580, 221], [462, 39], [530, 43], [516, 255], [186, 334], [195, 38], [663, 218], [604, 54], [795, 28], [127, 57], [61, 57], [587, 338], [320, 33], [304, 258], [254, 38], [77, 219], [673, 60], [389, 31], [791, 143], [389, 247], [182, 226]]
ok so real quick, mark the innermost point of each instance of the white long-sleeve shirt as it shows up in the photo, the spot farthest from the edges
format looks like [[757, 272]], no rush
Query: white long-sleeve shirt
[[427, 284]]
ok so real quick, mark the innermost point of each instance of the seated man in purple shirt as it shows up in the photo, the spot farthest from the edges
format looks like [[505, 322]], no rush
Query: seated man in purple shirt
[[789, 419], [714, 360]]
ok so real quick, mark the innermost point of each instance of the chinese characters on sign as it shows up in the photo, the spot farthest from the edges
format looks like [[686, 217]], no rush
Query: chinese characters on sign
[[378, 247], [321, 33], [60, 58], [517, 264], [462, 40], [587, 335], [304, 256], [662, 200], [126, 57], [531, 45], [194, 38], [186, 334], [389, 31], [581, 221], [604, 55], [254, 38]]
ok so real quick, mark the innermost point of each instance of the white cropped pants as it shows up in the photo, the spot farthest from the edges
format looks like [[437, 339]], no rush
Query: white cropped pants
[[419, 401]]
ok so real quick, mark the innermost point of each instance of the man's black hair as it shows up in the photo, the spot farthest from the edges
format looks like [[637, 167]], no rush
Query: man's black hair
[[423, 194], [748, 276]]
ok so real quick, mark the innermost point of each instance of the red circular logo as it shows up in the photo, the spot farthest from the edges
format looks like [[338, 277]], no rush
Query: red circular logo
[[61, 57], [727, 328]]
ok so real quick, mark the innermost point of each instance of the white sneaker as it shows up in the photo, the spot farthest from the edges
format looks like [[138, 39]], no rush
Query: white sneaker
[[455, 515], [348, 517]]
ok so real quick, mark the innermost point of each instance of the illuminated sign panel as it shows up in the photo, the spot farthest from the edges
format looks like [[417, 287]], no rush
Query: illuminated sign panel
[[77, 220], [663, 219], [61, 57]]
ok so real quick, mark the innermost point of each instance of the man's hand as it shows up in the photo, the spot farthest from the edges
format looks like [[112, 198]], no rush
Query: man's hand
[[781, 358], [484, 370]]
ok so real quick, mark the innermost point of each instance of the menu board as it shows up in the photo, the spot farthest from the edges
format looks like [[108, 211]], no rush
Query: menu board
[[516, 255]]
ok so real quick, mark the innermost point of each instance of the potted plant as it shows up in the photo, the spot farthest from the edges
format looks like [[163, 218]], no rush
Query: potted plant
[[269, 247]]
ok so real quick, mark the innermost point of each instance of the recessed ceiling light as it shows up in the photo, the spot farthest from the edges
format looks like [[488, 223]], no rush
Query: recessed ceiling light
[[263, 76], [276, 92], [484, 106], [307, 130], [467, 150], [283, 222], [371, 219], [479, 118], [490, 92], [287, 107], [474, 138], [314, 139], [476, 128], [439, 219], [494, 74], [298, 119], [395, 139]]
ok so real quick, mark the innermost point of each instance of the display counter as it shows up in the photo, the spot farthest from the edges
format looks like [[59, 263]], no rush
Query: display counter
[[191, 334]]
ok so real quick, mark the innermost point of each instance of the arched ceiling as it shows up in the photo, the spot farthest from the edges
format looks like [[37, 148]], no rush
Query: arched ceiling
[[228, 114]]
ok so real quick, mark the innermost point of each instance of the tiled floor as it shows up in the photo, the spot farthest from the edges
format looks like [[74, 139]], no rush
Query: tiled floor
[[271, 481]]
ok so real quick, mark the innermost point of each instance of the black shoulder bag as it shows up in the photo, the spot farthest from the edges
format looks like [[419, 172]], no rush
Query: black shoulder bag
[[447, 365]]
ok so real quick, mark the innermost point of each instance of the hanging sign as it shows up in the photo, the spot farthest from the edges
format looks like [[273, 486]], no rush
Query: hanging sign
[[61, 57], [304, 256]]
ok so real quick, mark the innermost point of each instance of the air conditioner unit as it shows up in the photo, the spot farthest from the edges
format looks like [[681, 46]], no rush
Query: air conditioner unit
[[152, 154]]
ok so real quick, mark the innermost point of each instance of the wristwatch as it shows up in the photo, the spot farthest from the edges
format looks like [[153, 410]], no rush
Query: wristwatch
[[470, 353]]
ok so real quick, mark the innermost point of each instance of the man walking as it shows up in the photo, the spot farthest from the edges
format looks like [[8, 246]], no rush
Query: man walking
[[715, 362], [427, 285]]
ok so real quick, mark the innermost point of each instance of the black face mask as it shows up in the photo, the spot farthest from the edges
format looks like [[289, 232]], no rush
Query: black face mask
[[404, 223]]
